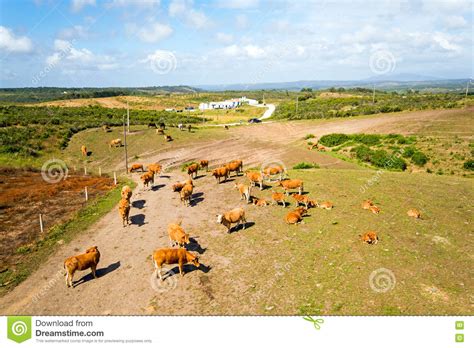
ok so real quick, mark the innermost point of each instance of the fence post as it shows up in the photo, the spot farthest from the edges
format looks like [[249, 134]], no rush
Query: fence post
[[115, 178], [100, 171], [85, 170], [41, 222], [87, 196]]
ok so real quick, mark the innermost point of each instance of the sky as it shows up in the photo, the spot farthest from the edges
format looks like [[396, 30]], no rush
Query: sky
[[135, 43]]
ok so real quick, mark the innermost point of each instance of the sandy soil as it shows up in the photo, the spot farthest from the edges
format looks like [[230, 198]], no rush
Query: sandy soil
[[126, 284]]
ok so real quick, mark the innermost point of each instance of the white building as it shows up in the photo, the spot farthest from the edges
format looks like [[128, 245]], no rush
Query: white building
[[227, 104]]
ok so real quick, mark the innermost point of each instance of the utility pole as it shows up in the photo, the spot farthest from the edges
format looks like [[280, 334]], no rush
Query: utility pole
[[125, 144], [297, 97], [128, 118]]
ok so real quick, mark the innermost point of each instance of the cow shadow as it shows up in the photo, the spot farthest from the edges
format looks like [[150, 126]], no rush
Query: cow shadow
[[89, 153], [100, 272], [188, 268], [200, 176], [165, 176], [157, 187], [196, 198], [139, 204], [138, 219], [195, 246], [240, 227]]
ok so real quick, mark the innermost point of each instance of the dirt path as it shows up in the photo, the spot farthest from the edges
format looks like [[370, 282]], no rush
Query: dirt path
[[125, 269]]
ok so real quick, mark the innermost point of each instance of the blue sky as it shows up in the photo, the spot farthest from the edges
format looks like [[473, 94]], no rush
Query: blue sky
[[77, 43]]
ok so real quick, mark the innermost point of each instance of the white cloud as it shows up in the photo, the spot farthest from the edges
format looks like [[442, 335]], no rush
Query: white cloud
[[77, 31], [15, 44], [78, 5], [241, 21], [232, 50], [136, 3], [224, 38], [445, 42], [72, 59], [455, 22], [254, 51], [152, 32], [184, 10], [247, 51], [238, 4]]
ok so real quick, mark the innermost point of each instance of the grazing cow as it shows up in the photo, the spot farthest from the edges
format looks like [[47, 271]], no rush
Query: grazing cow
[[278, 197], [172, 256], [301, 199], [177, 235], [124, 211], [168, 138], [135, 167], [226, 127], [204, 164], [367, 204], [326, 205], [106, 128], [147, 178], [186, 194], [160, 131], [313, 146], [115, 143], [236, 215], [84, 150], [190, 128], [193, 170], [80, 263], [414, 213], [291, 184], [273, 170], [374, 209], [177, 187], [235, 166], [295, 216], [244, 191], [255, 178], [259, 202], [155, 168], [369, 237], [152, 125], [126, 192], [162, 126], [222, 172], [313, 203]]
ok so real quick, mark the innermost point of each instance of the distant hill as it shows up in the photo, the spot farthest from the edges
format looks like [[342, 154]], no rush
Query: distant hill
[[390, 83]]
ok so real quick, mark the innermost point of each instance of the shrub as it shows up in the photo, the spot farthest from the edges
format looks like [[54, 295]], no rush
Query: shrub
[[309, 136], [382, 159], [363, 152], [305, 165], [419, 158], [334, 139], [469, 165], [409, 151], [367, 139]]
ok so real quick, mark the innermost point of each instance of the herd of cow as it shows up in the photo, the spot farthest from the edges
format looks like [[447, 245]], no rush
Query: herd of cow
[[178, 237]]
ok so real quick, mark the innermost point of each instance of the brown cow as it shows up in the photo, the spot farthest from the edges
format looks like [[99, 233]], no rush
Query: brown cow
[[255, 178], [259, 202], [155, 168], [126, 192], [415, 213], [84, 150], [186, 194], [147, 178], [177, 235], [193, 170], [326, 205], [244, 191], [235, 166], [204, 164], [124, 211], [115, 143], [135, 167], [168, 138], [80, 263], [295, 216], [367, 204], [273, 170], [290, 184], [172, 256], [236, 215], [369, 237], [302, 199], [278, 197], [222, 172]]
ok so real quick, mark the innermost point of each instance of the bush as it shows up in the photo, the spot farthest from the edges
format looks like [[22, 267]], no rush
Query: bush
[[382, 159], [409, 151], [334, 139], [363, 153], [469, 165], [419, 158], [304, 165], [309, 136], [367, 139]]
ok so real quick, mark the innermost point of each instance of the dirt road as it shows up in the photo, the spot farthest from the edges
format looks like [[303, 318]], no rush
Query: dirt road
[[126, 284]]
